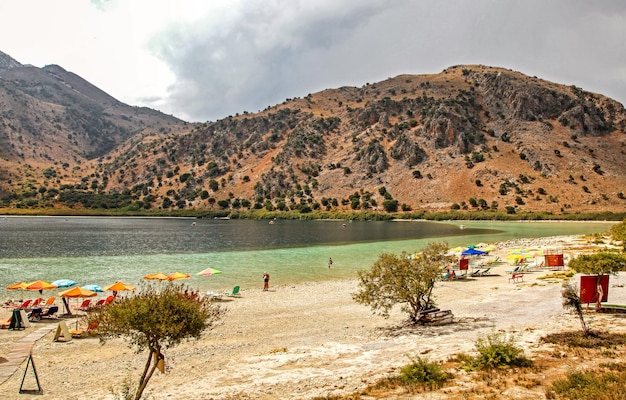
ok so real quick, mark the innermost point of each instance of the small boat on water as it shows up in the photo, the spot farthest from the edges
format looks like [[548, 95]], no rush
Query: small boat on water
[[461, 226]]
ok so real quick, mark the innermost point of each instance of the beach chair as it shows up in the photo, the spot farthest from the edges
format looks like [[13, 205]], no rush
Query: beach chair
[[109, 300], [100, 303], [516, 269], [84, 305], [35, 314], [485, 272], [450, 275], [91, 328], [35, 304], [6, 324], [22, 306], [50, 312], [49, 302], [232, 293]]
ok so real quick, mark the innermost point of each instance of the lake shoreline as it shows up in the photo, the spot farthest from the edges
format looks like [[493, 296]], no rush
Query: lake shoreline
[[311, 339]]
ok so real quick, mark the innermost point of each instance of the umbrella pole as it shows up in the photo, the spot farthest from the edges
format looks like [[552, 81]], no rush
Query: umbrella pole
[[67, 306]]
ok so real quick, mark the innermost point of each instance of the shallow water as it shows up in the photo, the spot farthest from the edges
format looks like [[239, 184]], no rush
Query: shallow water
[[100, 251]]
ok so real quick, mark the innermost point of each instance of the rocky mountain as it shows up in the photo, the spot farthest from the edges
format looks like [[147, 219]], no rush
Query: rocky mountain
[[50, 116], [470, 137]]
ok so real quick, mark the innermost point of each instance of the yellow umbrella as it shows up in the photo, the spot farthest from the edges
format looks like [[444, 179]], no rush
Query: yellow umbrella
[[119, 286], [159, 276], [178, 275]]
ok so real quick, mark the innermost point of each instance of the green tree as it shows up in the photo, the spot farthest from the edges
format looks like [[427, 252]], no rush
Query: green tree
[[600, 263], [618, 232], [403, 279], [156, 319]]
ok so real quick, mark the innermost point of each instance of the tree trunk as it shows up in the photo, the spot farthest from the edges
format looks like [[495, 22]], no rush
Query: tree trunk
[[147, 373]]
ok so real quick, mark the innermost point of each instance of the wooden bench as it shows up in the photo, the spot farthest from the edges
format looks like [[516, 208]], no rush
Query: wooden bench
[[517, 277]]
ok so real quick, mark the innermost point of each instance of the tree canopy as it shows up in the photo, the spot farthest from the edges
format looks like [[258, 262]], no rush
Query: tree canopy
[[600, 263], [157, 318], [403, 279], [618, 232]]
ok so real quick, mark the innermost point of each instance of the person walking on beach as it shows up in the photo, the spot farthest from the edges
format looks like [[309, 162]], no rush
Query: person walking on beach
[[330, 262], [266, 281]]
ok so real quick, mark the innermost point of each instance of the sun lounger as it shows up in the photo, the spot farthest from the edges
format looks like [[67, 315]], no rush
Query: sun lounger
[[50, 312], [49, 302], [85, 305], [35, 314], [234, 292], [516, 277], [22, 306], [79, 333]]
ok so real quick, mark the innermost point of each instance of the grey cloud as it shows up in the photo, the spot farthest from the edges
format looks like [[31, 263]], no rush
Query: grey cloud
[[264, 52]]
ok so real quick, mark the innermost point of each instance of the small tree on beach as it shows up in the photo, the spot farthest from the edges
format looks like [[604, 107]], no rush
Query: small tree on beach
[[403, 279], [156, 319], [571, 301], [600, 263], [618, 232]]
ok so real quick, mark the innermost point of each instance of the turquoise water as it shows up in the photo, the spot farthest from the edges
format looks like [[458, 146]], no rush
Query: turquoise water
[[104, 250]]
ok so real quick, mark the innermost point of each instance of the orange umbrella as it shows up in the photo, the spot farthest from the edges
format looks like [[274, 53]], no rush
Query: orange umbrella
[[119, 286], [39, 285], [159, 276], [178, 275], [18, 285], [77, 291]]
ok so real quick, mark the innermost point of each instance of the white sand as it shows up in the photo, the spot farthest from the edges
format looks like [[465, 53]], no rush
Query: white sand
[[296, 342]]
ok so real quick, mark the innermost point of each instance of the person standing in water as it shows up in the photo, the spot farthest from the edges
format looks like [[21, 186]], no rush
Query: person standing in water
[[266, 281], [330, 262]]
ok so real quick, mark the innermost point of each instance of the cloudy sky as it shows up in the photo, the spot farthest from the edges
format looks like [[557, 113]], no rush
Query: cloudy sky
[[206, 59]]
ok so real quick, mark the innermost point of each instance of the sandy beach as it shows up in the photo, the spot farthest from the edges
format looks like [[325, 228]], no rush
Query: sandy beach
[[301, 341]]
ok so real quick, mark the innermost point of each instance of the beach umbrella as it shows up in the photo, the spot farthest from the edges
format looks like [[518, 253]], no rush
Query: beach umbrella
[[39, 285], [159, 276], [93, 288], [209, 271], [119, 286], [77, 292], [178, 275], [63, 283], [74, 293], [17, 285], [473, 252]]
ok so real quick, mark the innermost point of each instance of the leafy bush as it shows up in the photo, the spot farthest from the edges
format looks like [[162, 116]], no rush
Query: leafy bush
[[424, 373], [602, 384], [495, 351]]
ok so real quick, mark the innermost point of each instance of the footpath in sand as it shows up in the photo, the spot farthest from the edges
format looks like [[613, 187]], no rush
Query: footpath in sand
[[301, 341]]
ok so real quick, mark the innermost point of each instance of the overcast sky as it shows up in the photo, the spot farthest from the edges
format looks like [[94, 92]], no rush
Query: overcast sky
[[206, 59]]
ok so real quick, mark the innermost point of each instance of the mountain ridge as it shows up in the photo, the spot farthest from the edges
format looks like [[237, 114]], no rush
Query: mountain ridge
[[470, 137]]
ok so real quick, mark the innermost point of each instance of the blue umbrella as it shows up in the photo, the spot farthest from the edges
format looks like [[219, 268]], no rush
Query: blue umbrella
[[63, 283], [473, 252], [93, 288]]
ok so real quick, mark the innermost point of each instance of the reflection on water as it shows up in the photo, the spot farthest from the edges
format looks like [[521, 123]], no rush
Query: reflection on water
[[102, 250]]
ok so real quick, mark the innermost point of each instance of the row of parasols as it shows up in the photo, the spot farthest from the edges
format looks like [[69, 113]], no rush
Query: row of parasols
[[73, 291], [92, 290]]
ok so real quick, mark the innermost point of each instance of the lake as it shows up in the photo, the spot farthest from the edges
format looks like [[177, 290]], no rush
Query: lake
[[102, 250]]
